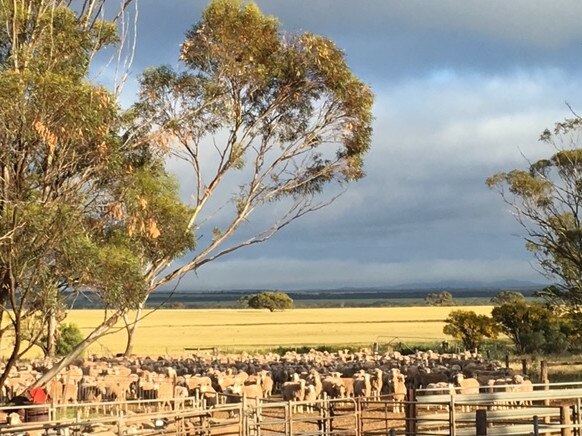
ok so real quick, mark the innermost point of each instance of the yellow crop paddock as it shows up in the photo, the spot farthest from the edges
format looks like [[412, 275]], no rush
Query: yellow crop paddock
[[170, 331]]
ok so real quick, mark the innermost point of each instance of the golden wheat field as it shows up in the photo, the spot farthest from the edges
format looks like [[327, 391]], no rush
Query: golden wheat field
[[171, 331]]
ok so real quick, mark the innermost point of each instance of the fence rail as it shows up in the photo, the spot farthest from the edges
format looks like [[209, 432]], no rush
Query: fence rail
[[507, 413]]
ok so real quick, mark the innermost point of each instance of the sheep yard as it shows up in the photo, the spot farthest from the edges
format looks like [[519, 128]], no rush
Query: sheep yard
[[259, 393], [171, 331]]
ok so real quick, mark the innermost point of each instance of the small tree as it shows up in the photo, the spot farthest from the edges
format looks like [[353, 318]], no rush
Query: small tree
[[470, 328], [533, 328], [545, 199], [69, 337], [504, 297], [268, 300], [60, 151], [443, 298]]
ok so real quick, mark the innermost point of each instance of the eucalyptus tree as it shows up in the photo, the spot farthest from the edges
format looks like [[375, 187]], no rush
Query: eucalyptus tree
[[546, 199], [263, 119], [266, 118], [65, 223], [55, 131]]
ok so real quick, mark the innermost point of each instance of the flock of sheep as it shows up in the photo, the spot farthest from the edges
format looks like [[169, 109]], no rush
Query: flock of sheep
[[292, 376]]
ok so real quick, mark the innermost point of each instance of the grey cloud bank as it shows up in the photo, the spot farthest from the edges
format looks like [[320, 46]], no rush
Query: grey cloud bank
[[463, 90]]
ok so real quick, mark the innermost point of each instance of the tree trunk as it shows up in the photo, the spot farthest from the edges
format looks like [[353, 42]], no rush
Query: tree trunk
[[1, 328], [51, 344], [14, 355], [76, 352], [131, 328]]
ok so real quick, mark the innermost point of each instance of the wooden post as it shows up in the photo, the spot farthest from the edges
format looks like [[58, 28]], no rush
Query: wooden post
[[481, 422], [411, 412], [524, 366], [565, 420], [360, 413], [544, 378], [290, 416], [286, 409], [386, 416], [120, 424], [321, 422], [243, 414], [577, 410], [507, 361], [536, 426], [452, 417], [258, 416]]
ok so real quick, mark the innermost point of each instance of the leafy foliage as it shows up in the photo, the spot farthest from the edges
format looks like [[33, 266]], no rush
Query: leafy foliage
[[68, 337], [259, 116], [546, 200], [294, 116], [468, 327], [507, 297], [534, 328], [276, 116], [268, 300], [63, 153], [443, 298], [58, 135]]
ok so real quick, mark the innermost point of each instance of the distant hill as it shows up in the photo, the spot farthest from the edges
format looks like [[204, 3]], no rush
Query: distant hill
[[466, 293], [444, 285], [456, 285]]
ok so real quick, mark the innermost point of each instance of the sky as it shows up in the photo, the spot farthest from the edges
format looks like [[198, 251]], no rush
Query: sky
[[463, 90]]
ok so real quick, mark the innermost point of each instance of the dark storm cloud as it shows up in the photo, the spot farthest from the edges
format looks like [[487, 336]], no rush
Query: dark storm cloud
[[463, 90], [399, 39]]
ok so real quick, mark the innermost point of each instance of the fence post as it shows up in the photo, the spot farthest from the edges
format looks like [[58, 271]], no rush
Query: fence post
[[524, 366], [481, 422], [286, 411], [536, 426], [577, 421], [290, 418], [545, 379], [507, 361], [411, 412], [321, 421], [258, 415], [565, 420], [359, 413], [243, 414], [452, 419], [120, 424]]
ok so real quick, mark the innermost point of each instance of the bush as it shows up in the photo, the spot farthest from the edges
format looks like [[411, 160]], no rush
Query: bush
[[444, 298], [535, 328], [268, 300], [69, 336], [468, 327], [504, 297]]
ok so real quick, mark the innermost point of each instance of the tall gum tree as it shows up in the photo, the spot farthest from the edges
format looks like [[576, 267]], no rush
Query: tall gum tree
[[59, 152], [260, 117], [272, 117], [546, 199]]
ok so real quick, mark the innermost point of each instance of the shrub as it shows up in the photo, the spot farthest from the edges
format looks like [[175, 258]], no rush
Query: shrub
[[69, 337], [468, 327], [534, 328], [268, 300], [444, 298]]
